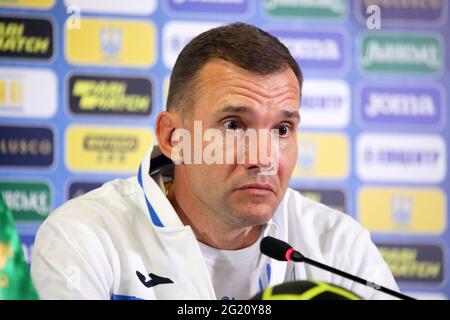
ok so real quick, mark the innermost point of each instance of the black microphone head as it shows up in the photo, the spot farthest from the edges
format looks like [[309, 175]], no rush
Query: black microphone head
[[274, 248]]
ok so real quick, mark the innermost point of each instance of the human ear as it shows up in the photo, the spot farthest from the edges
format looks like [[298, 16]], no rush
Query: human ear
[[166, 124]]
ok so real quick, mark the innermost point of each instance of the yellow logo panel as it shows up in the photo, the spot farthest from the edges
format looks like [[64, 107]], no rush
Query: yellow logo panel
[[106, 149], [322, 156], [5, 254], [38, 4], [111, 42], [402, 210]]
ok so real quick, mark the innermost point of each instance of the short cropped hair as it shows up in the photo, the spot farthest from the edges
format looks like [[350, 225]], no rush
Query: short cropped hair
[[241, 44]]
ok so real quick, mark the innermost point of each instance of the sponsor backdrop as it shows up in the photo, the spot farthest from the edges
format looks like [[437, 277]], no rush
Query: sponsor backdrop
[[81, 83]]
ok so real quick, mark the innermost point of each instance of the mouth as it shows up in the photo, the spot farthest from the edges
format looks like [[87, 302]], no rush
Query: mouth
[[257, 189]]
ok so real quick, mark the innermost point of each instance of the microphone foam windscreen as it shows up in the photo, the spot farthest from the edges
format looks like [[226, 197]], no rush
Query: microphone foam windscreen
[[274, 248]]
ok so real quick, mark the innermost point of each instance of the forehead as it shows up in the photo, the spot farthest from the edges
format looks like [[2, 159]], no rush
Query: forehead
[[219, 79]]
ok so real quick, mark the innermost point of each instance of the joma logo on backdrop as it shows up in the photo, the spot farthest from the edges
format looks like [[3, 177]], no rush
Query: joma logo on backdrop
[[324, 50], [404, 106]]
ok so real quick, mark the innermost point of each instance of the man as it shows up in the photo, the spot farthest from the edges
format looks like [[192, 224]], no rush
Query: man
[[192, 230]]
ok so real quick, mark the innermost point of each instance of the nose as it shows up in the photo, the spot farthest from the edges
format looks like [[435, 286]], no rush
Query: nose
[[261, 151]]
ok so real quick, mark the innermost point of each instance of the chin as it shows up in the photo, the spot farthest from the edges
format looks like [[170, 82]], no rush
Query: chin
[[255, 215]]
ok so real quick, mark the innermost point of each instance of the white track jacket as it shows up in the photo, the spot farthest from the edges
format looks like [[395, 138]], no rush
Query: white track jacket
[[124, 240]]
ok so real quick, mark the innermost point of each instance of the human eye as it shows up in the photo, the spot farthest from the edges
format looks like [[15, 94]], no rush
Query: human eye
[[284, 130], [232, 124]]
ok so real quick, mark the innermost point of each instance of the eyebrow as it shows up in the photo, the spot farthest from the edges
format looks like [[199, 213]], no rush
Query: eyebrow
[[246, 110]]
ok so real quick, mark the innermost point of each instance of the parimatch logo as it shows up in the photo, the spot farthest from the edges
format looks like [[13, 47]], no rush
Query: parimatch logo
[[415, 263], [26, 38], [105, 95]]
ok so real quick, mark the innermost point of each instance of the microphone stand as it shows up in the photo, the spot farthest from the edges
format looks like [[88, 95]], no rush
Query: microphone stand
[[298, 257]]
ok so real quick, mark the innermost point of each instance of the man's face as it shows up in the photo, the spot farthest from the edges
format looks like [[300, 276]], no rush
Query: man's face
[[229, 97]]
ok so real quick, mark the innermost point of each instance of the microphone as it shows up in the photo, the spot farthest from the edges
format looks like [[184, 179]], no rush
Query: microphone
[[282, 251]]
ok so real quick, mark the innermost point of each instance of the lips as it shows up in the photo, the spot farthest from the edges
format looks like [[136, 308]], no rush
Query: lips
[[257, 188]]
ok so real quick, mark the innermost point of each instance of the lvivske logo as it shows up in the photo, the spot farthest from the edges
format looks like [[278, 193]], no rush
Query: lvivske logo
[[35, 4], [415, 264], [209, 7], [401, 53], [106, 149], [21, 91], [314, 153], [26, 147], [26, 38], [328, 108], [29, 202], [306, 9], [109, 95], [112, 42], [319, 50], [404, 106], [177, 34], [402, 210], [401, 158], [404, 13]]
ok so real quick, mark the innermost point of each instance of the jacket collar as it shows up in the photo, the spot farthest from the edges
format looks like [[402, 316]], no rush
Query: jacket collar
[[156, 169]]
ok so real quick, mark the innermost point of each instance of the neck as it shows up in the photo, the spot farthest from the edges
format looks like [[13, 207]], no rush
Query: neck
[[208, 227]]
